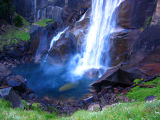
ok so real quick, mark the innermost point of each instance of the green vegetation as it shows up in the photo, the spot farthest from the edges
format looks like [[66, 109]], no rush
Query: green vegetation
[[140, 93], [149, 21], [44, 22], [138, 110], [7, 113], [122, 111], [18, 21], [15, 34]]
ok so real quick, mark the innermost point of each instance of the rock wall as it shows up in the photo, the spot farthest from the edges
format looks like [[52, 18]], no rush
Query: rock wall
[[34, 10], [136, 47], [133, 17], [135, 13]]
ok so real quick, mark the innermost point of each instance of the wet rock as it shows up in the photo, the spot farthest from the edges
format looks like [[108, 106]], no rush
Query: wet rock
[[114, 76], [89, 100], [17, 82], [92, 73], [40, 37], [15, 100], [150, 98], [4, 92], [135, 13], [4, 71], [156, 16], [145, 56], [121, 44], [63, 49], [94, 107], [74, 10]]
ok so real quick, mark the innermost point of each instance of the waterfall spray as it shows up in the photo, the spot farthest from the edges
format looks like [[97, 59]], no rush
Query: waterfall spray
[[97, 41]]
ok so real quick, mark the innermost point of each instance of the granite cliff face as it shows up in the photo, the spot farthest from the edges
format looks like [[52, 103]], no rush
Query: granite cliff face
[[34, 10]]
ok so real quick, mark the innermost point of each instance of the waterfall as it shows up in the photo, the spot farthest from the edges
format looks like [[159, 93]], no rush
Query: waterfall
[[82, 18], [54, 39], [97, 41], [57, 37]]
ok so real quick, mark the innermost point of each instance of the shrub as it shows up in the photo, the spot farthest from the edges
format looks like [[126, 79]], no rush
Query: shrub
[[18, 21]]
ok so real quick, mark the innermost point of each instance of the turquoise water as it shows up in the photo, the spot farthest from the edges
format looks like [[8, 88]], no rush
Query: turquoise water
[[55, 81]]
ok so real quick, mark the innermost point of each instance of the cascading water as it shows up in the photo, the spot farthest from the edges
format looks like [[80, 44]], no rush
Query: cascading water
[[57, 81], [57, 37], [102, 23], [54, 39]]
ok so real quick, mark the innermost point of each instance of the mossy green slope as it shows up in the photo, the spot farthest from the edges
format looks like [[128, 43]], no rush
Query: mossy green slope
[[44, 22], [140, 93]]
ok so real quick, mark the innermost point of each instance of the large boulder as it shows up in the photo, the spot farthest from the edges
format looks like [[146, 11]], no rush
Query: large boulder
[[113, 77], [40, 38], [4, 71], [135, 13], [63, 49]]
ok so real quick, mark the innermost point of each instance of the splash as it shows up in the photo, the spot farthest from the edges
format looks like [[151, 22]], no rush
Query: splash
[[97, 41]]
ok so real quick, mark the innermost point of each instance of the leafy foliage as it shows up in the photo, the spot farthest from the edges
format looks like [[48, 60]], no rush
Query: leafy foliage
[[18, 21]]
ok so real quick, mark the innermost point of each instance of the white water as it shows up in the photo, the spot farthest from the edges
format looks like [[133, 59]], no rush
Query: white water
[[54, 39], [82, 18], [97, 41], [57, 37]]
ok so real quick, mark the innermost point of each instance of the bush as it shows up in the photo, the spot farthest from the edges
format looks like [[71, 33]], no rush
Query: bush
[[18, 21]]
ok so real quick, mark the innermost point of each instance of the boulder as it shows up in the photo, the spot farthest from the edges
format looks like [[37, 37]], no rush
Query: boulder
[[9, 94], [18, 83], [114, 77], [94, 107], [15, 100], [151, 98], [4, 71], [92, 73], [4, 92], [63, 49], [40, 37]]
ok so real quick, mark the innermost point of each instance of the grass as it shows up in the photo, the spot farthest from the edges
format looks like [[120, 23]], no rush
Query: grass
[[139, 94], [7, 113], [44, 22], [121, 111], [15, 34], [139, 110]]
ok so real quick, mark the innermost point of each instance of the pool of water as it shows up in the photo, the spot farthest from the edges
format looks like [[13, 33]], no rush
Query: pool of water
[[54, 81]]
